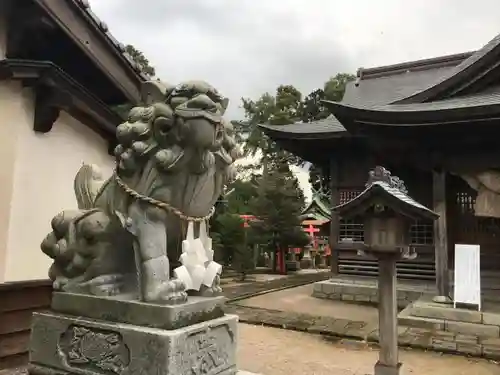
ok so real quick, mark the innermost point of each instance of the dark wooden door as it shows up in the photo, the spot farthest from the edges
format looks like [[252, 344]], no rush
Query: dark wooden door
[[464, 227]]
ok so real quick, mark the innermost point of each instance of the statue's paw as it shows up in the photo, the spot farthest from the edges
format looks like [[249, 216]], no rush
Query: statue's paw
[[172, 292], [216, 288], [212, 291], [104, 285], [59, 283]]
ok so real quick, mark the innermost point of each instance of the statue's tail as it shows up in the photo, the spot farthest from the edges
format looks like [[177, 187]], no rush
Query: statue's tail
[[87, 184]]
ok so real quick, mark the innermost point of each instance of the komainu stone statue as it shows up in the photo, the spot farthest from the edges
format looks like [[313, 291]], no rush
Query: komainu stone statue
[[173, 158]]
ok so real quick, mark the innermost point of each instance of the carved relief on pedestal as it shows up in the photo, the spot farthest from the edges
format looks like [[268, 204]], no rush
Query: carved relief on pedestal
[[206, 352], [95, 350]]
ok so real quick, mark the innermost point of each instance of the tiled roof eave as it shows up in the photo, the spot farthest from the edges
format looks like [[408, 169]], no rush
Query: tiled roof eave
[[321, 129], [456, 110], [119, 48]]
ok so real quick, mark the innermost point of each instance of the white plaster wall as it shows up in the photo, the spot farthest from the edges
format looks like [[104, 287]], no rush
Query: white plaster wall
[[14, 110], [45, 166]]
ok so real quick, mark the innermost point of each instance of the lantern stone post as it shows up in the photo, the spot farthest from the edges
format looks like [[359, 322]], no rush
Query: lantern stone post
[[388, 363], [387, 212]]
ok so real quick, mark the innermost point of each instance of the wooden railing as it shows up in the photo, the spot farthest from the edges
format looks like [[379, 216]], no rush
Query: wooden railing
[[18, 301]]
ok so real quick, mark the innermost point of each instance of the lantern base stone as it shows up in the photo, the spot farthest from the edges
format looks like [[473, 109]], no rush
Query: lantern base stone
[[442, 299]]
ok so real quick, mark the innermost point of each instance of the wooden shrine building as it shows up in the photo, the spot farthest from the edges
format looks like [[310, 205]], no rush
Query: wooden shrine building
[[435, 123], [317, 213]]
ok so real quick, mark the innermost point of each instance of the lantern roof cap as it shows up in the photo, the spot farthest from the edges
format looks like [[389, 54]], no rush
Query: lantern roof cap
[[392, 191]]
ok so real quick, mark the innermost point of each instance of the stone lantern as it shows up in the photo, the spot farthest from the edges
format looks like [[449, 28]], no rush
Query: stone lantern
[[387, 212]]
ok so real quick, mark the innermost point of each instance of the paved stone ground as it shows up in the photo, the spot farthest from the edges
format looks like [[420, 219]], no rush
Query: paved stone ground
[[245, 290], [233, 281], [296, 309], [270, 351], [300, 300]]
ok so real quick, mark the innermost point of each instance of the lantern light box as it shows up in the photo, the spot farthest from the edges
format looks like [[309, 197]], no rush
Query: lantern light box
[[387, 212]]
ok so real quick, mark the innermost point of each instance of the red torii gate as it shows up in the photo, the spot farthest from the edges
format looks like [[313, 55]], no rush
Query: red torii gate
[[246, 219], [311, 229]]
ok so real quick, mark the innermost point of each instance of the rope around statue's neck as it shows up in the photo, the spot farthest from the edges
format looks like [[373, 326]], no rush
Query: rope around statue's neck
[[163, 205]]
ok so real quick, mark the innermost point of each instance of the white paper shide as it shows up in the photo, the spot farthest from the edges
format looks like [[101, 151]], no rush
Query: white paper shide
[[197, 258]]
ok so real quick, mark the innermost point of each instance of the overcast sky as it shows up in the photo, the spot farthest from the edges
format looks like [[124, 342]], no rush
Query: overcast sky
[[247, 47]]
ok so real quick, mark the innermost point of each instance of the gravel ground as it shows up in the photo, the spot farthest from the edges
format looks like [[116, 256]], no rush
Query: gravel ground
[[272, 351]]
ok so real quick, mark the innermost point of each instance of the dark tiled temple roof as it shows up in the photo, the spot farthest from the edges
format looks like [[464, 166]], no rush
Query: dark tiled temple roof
[[437, 87], [390, 88], [487, 98], [378, 87], [84, 6], [453, 97], [454, 110], [456, 73]]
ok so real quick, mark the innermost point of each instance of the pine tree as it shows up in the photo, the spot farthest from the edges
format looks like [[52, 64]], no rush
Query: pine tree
[[277, 208]]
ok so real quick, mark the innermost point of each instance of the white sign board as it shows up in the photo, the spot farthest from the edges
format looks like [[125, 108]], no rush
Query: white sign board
[[467, 275]]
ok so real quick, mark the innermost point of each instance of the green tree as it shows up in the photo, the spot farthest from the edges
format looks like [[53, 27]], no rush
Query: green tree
[[277, 208], [319, 178], [282, 109], [243, 261], [312, 107], [140, 59], [235, 201], [335, 87], [232, 237], [239, 195]]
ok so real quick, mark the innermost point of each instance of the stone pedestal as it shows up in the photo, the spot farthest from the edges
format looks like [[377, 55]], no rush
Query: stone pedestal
[[102, 343], [306, 261]]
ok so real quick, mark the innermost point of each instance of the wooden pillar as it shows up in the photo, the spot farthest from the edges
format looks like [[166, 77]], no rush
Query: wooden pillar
[[334, 221], [388, 363], [440, 233]]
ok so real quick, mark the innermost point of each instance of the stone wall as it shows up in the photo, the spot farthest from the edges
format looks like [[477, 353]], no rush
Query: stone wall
[[443, 328], [365, 290]]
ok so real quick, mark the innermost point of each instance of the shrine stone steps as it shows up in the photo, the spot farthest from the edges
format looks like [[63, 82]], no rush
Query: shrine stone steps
[[425, 314]]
